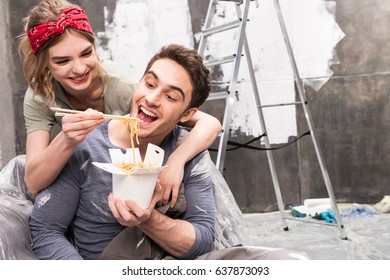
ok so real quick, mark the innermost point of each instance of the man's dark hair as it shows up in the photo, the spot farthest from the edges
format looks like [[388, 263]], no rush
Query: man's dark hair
[[192, 62]]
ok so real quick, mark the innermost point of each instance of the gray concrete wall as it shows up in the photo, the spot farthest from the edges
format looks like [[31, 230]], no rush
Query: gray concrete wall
[[7, 82], [350, 112]]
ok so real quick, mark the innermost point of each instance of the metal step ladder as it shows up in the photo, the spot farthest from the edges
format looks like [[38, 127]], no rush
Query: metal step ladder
[[242, 47]]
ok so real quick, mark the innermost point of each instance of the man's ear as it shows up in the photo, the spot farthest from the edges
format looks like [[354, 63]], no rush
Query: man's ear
[[187, 115]]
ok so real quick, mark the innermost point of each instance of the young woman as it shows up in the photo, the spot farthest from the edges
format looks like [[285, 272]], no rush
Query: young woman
[[63, 70]]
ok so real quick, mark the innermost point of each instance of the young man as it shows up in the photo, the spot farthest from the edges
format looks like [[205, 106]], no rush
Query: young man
[[174, 84]]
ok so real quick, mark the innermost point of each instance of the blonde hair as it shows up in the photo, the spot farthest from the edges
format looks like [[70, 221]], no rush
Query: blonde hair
[[35, 67]]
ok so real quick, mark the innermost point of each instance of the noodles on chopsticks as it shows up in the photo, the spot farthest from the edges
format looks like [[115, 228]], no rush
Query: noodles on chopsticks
[[133, 126], [130, 123]]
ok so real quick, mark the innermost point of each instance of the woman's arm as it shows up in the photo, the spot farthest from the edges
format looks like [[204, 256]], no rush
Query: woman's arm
[[45, 159], [204, 132]]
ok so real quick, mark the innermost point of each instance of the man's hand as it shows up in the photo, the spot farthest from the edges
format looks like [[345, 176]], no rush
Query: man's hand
[[128, 213]]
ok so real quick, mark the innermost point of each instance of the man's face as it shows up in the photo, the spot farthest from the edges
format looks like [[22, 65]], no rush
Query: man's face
[[161, 99]]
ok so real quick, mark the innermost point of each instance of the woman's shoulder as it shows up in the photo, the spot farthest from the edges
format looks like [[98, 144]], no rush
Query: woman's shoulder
[[33, 97], [30, 95], [33, 102]]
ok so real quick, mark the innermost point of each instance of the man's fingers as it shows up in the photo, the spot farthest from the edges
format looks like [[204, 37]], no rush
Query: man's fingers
[[165, 196], [111, 204], [174, 198], [135, 209]]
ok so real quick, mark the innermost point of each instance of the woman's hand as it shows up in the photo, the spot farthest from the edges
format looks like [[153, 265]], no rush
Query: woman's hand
[[171, 177], [76, 127]]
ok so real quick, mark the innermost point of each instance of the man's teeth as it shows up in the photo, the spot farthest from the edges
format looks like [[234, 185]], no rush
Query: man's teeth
[[146, 112]]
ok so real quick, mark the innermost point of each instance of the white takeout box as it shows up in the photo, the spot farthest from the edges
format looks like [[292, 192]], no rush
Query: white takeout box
[[139, 185]]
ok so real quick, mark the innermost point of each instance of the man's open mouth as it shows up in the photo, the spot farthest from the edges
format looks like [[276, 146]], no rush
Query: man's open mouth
[[146, 116]]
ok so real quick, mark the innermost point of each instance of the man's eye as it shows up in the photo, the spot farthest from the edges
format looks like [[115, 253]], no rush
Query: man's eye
[[149, 85], [171, 97]]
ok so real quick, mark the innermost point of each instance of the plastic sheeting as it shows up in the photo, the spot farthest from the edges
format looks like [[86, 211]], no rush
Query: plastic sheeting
[[229, 229], [15, 208]]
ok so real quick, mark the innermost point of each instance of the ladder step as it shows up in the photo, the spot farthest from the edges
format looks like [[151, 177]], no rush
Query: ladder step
[[281, 104], [219, 83], [221, 60], [218, 95], [220, 28]]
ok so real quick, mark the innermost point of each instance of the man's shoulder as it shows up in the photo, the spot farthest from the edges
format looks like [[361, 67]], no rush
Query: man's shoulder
[[202, 159], [179, 133], [199, 166], [199, 163]]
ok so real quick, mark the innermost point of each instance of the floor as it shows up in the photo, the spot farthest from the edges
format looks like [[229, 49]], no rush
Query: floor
[[368, 234]]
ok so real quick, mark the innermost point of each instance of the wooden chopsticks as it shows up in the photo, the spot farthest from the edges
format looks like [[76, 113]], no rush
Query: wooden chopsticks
[[60, 112]]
